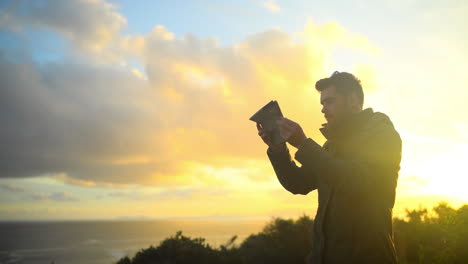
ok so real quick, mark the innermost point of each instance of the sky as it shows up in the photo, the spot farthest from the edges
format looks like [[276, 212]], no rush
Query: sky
[[139, 109]]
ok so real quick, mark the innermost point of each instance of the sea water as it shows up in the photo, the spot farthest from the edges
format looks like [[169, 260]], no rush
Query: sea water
[[104, 242]]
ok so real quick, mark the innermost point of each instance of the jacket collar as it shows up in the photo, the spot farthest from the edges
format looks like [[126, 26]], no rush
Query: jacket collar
[[346, 126]]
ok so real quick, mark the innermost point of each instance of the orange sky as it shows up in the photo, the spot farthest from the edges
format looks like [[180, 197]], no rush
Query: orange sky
[[155, 124]]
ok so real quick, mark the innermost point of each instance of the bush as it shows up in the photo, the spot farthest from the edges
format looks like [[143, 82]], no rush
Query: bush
[[437, 236], [281, 241], [180, 249]]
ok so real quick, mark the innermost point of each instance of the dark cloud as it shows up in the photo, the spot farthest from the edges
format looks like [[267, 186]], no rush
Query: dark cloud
[[56, 196], [12, 188], [88, 122], [29, 194], [101, 123], [74, 119], [90, 25], [172, 193]]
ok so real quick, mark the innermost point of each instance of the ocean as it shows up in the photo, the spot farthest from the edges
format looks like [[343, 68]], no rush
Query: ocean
[[104, 242]]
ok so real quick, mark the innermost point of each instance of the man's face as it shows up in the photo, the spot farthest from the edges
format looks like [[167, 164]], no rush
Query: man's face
[[335, 106]]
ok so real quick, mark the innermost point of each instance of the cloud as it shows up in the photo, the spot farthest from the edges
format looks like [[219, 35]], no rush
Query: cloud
[[271, 6], [172, 193], [29, 194], [91, 26], [78, 119], [12, 188], [56, 196], [183, 121]]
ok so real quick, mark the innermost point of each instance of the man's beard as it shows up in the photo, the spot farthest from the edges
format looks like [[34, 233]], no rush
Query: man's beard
[[347, 113]]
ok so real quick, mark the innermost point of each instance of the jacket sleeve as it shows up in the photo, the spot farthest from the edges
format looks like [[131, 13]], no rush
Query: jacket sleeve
[[295, 179], [372, 168]]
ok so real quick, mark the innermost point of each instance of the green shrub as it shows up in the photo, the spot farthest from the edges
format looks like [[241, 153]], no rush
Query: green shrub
[[437, 236]]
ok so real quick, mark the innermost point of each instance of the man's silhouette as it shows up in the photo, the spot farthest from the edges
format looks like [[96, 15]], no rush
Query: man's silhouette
[[355, 173]]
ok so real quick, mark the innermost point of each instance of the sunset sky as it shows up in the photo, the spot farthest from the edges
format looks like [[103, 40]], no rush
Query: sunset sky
[[139, 109]]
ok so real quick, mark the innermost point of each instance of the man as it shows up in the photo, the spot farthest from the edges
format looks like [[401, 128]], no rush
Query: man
[[355, 174]]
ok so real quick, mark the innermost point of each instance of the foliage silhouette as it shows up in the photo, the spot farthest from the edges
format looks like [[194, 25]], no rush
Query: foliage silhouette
[[440, 237], [424, 236], [281, 241]]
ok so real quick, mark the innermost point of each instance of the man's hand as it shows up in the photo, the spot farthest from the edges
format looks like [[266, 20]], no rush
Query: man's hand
[[266, 137], [291, 131]]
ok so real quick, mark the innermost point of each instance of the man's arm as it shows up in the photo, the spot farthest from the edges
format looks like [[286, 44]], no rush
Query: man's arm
[[373, 169], [295, 179]]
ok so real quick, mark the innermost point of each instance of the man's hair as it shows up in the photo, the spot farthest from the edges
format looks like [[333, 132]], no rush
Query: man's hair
[[344, 82]]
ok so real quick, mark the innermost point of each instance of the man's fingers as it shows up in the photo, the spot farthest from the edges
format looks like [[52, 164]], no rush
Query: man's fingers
[[285, 132], [286, 123], [290, 123], [264, 134], [286, 127], [280, 122], [266, 138], [259, 127]]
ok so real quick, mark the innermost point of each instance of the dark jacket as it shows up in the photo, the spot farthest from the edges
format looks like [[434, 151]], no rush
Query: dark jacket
[[355, 174]]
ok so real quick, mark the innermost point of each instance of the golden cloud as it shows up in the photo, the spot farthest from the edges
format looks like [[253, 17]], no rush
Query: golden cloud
[[184, 120]]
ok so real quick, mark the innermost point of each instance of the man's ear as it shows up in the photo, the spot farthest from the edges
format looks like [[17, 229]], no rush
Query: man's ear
[[353, 102]]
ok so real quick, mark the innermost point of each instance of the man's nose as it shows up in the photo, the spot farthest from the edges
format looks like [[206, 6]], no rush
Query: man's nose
[[323, 109]]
